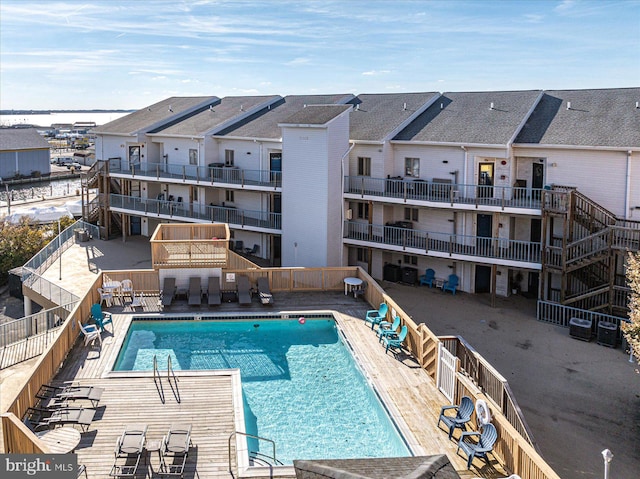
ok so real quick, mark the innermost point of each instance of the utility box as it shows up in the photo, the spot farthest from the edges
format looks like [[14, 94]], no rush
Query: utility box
[[409, 275], [392, 272], [580, 329], [607, 334]]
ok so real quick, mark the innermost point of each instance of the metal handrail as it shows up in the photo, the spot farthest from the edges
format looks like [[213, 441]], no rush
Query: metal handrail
[[246, 434], [156, 372], [170, 369]]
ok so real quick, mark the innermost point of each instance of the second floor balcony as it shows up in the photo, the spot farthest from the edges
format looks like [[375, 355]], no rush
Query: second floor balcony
[[445, 193], [478, 249], [214, 173], [262, 221]]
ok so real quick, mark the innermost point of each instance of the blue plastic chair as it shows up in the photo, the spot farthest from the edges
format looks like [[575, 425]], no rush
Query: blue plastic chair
[[376, 316], [451, 284], [464, 411], [395, 343], [428, 277], [484, 445], [101, 318], [385, 328]]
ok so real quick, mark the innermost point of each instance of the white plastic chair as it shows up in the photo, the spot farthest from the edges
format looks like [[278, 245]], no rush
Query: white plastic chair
[[105, 296], [90, 333], [126, 289], [136, 302]]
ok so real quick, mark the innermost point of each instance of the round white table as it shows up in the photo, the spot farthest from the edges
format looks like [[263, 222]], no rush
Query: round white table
[[350, 283], [61, 440]]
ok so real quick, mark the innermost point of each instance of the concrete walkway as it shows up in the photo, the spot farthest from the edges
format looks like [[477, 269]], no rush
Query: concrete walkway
[[578, 398]]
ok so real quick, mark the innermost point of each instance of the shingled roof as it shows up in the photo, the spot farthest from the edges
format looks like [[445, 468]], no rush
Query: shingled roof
[[165, 112], [489, 118], [219, 116], [266, 125], [315, 114], [607, 117], [377, 116], [13, 139]]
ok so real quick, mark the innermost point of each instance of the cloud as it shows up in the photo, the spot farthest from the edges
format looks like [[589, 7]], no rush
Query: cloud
[[298, 61], [376, 72]]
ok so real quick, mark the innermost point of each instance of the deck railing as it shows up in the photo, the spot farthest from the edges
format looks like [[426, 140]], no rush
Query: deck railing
[[235, 217], [452, 244], [214, 173], [560, 315]]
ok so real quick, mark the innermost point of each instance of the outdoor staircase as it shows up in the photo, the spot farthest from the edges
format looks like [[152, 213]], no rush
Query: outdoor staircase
[[589, 256]]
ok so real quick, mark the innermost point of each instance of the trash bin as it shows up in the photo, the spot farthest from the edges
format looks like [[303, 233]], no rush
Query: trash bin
[[81, 235], [580, 329], [607, 334]]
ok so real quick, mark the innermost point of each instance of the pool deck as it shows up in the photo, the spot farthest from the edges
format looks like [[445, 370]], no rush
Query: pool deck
[[206, 401]]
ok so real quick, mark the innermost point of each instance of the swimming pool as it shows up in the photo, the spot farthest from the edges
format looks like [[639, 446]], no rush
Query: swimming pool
[[301, 385]]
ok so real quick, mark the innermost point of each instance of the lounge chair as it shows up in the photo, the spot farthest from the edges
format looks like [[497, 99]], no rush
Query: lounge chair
[[376, 316], [137, 301], [213, 291], [55, 396], [428, 278], [129, 448], [450, 284], [168, 291], [252, 251], [105, 296], [239, 246], [101, 318], [90, 333], [463, 415], [395, 343], [39, 419], [244, 289], [387, 329], [174, 450], [195, 293], [264, 290], [481, 446]]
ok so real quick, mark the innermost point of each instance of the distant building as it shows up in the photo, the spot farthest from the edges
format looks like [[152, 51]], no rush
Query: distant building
[[23, 152]]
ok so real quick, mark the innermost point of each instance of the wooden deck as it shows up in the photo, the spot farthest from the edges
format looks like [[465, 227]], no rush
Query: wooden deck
[[206, 400]]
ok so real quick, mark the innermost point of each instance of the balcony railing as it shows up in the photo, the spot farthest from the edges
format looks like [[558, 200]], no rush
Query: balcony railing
[[496, 248], [181, 211], [445, 192], [216, 173]]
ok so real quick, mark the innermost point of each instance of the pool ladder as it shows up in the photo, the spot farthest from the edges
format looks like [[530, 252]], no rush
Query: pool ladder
[[157, 379], [264, 458]]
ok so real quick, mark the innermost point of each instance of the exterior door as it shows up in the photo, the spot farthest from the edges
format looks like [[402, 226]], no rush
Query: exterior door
[[483, 279], [483, 233], [485, 180], [537, 180], [275, 166]]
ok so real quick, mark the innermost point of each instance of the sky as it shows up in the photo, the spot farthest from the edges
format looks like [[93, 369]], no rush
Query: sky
[[117, 54]]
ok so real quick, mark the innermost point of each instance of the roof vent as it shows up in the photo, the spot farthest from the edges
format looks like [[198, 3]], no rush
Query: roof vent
[[170, 109], [241, 107], [491, 106], [441, 106], [568, 105], [404, 107], [210, 107], [638, 104], [357, 106]]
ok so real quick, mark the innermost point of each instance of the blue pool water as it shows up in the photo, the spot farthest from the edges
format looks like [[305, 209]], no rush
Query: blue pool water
[[300, 383]]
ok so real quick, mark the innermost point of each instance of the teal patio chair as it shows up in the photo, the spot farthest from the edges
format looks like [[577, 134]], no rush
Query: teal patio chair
[[101, 318], [376, 316], [479, 447], [395, 343], [464, 411], [428, 278], [385, 328], [451, 284]]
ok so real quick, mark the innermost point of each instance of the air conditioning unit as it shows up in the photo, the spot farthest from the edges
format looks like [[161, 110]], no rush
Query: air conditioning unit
[[349, 214]]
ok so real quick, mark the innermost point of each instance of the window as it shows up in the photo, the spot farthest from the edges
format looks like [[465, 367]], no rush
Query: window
[[363, 211], [364, 166], [228, 195], [411, 214], [363, 255], [412, 167], [134, 154], [228, 157], [195, 194], [193, 156], [408, 259]]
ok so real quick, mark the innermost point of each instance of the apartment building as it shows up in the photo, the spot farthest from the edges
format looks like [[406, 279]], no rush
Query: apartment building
[[512, 191]]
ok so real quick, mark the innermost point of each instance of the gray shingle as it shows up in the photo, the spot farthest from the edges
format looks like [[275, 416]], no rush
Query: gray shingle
[[266, 126], [164, 112], [220, 113], [606, 117], [315, 114], [467, 118], [21, 139], [376, 116]]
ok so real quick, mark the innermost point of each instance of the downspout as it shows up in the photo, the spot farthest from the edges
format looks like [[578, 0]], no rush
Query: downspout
[[342, 171], [627, 207]]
